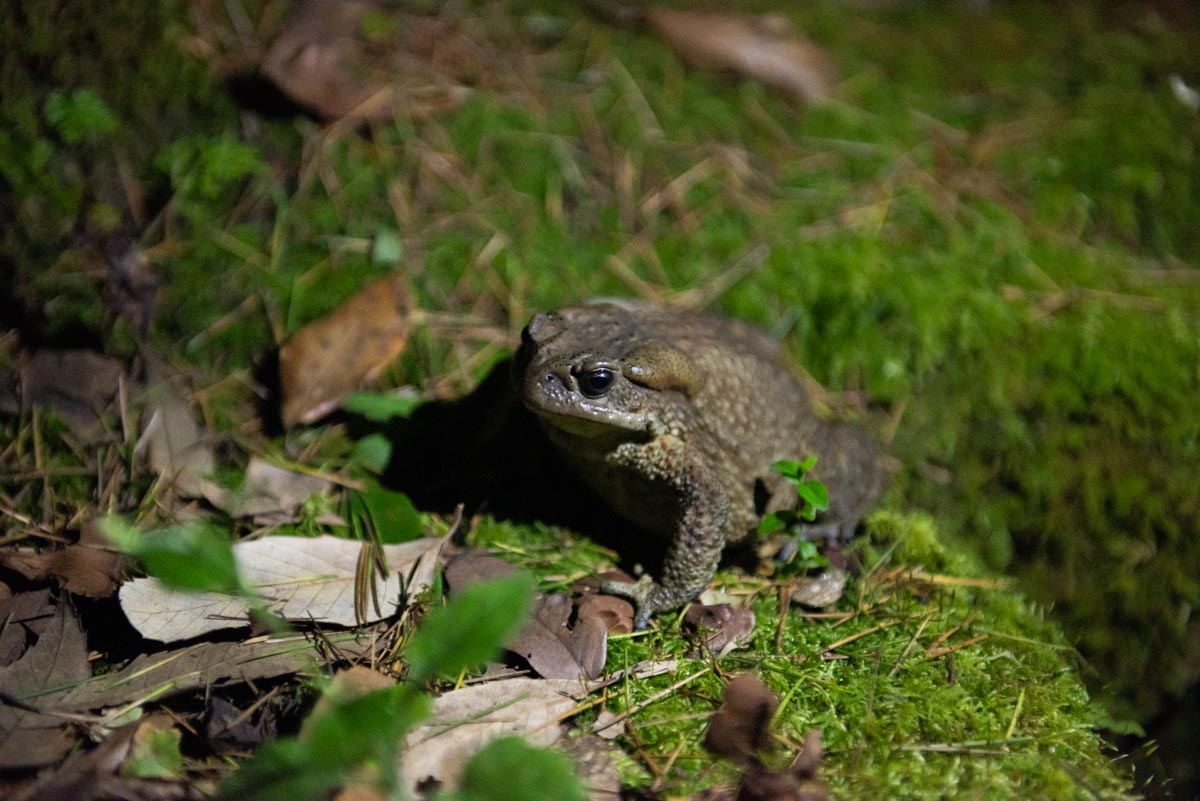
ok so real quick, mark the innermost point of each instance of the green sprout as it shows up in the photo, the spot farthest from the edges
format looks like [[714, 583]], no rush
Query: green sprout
[[812, 497]]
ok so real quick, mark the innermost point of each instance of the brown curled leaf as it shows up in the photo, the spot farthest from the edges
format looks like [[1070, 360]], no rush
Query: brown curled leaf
[[329, 358]]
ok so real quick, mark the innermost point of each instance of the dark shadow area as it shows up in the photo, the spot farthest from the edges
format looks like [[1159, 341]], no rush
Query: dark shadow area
[[267, 402], [1165, 759], [20, 312], [256, 93]]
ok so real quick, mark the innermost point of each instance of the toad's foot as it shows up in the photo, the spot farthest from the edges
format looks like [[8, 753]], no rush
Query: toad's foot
[[647, 595]]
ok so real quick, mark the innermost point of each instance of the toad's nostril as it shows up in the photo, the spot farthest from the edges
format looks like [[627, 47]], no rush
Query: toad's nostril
[[556, 379]]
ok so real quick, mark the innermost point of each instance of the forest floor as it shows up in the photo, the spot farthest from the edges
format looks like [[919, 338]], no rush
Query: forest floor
[[982, 242]]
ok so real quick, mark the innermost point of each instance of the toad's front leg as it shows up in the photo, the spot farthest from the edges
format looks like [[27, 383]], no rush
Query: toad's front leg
[[703, 512]]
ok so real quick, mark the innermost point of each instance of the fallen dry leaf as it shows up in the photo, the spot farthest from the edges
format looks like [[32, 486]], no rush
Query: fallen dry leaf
[[269, 493], [90, 774], [353, 682], [740, 728], [765, 48], [307, 579], [329, 358], [615, 612], [739, 731], [808, 760], [79, 385], [176, 446], [80, 569], [30, 739], [231, 728], [719, 628], [327, 60], [23, 617], [760, 784], [609, 725], [553, 648], [467, 719], [595, 762], [131, 288], [474, 565], [167, 673]]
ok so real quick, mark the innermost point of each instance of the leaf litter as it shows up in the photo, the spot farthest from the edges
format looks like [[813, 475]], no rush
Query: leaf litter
[[29, 737], [302, 579], [81, 386], [177, 447], [466, 719], [87, 568], [566, 635]]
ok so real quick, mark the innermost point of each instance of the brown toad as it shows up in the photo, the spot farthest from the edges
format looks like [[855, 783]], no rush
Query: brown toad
[[675, 419]]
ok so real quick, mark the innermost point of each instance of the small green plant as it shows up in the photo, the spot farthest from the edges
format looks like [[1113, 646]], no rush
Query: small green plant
[[811, 497], [79, 115]]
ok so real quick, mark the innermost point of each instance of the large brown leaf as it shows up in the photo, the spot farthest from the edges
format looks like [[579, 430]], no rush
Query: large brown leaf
[[336, 354], [30, 739]]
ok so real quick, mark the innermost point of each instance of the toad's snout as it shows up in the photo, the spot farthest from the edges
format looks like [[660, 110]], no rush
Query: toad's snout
[[548, 385]]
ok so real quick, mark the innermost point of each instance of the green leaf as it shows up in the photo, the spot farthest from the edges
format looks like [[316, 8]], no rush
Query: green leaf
[[807, 550], [772, 522], [280, 770], [365, 727], [470, 629], [788, 468], [79, 115], [380, 407], [509, 769], [349, 733], [204, 167], [373, 452], [815, 495], [392, 514], [190, 556], [155, 756], [793, 469]]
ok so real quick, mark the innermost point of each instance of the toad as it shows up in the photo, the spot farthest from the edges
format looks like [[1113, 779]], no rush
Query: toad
[[675, 418]]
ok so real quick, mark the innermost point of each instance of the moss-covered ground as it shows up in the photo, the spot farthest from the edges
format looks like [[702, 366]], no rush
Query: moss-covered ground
[[987, 240]]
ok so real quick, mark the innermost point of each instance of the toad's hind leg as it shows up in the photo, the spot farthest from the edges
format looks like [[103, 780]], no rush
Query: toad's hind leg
[[699, 534]]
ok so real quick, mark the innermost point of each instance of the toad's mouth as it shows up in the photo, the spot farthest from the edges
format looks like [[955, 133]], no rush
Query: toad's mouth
[[589, 422]]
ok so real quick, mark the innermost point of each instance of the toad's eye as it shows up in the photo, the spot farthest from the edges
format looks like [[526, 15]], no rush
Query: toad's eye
[[595, 383]]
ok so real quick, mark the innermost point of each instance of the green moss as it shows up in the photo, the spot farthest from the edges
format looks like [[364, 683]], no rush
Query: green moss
[[902, 713]]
